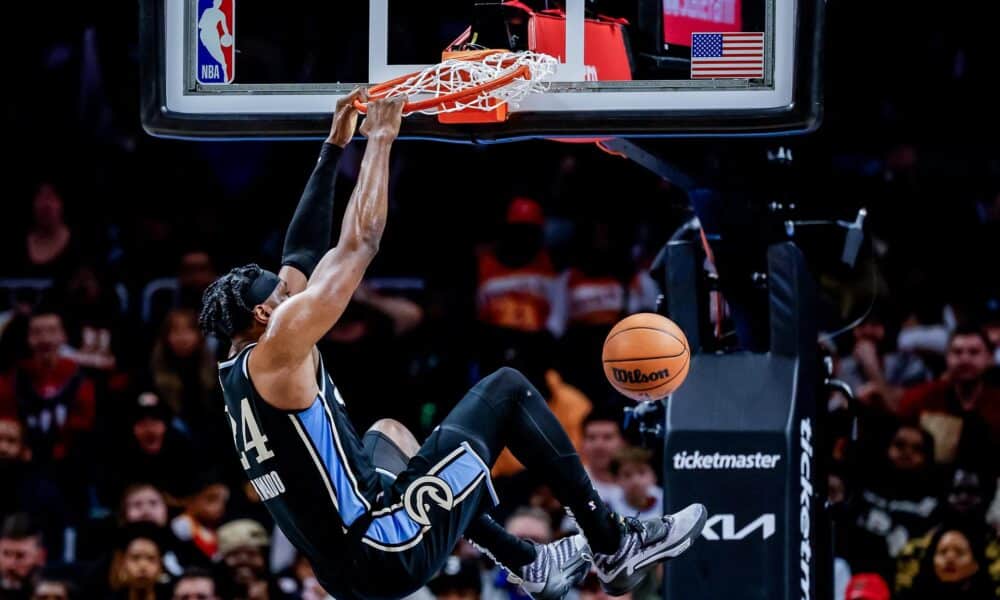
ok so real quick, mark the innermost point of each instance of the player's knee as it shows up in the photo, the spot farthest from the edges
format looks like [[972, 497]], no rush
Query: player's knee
[[508, 386], [509, 376], [399, 434]]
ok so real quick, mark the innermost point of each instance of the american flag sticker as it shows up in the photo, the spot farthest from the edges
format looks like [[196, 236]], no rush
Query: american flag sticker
[[736, 55]]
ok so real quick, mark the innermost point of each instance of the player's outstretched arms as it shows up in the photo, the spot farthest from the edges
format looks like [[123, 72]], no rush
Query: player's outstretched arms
[[299, 322], [309, 232]]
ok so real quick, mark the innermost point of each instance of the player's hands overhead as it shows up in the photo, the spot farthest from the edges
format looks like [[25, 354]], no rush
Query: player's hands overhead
[[384, 118], [345, 118]]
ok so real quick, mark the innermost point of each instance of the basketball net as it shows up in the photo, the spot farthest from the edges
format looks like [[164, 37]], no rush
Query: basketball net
[[471, 86]]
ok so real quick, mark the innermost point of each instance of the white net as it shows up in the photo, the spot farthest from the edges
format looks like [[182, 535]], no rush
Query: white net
[[457, 75]]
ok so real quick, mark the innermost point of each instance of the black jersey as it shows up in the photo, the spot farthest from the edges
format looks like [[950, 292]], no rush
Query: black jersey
[[308, 466]]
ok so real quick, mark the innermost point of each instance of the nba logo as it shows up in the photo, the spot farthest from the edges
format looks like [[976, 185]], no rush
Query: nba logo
[[216, 41]]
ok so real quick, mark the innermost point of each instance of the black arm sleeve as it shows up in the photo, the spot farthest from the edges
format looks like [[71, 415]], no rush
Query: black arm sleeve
[[308, 236]]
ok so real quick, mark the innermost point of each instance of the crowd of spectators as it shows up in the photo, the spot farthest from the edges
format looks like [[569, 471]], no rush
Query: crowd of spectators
[[119, 475]]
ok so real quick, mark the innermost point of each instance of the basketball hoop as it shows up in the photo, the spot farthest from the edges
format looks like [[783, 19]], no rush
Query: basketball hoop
[[469, 86]]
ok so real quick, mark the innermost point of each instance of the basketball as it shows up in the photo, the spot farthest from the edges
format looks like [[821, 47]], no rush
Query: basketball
[[646, 357], [226, 40]]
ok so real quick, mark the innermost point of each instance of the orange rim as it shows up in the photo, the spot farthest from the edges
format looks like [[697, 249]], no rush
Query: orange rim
[[381, 89]]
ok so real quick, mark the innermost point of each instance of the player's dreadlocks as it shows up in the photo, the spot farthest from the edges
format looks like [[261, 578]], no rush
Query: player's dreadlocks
[[224, 311]]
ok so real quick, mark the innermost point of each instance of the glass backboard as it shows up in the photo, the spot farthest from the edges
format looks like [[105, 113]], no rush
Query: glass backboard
[[251, 68]]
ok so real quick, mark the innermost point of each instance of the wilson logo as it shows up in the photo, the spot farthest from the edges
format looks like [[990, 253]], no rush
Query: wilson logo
[[422, 490], [637, 376]]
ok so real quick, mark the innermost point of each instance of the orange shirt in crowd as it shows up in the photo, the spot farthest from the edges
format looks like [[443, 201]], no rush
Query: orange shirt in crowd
[[519, 298], [594, 300]]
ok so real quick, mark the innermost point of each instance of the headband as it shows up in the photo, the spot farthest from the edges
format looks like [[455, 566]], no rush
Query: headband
[[261, 288]]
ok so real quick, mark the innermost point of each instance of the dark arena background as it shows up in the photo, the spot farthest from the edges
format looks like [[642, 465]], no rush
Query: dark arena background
[[834, 263]]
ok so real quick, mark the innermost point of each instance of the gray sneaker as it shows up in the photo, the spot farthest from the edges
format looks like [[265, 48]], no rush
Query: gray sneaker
[[559, 566], [647, 543]]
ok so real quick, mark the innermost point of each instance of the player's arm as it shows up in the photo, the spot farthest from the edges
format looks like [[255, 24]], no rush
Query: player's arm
[[309, 233], [299, 322]]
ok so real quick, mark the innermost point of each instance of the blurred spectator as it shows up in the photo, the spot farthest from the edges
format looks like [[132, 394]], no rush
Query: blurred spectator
[[595, 299], [867, 586], [876, 376], [194, 273], [14, 328], [518, 298], [531, 524], [954, 568], [143, 503], [50, 247], [245, 503], [640, 497], [91, 308], [195, 584], [457, 580], [194, 270], [517, 282], [299, 580], [242, 550], [965, 504], [923, 335], [28, 489], [203, 512], [969, 496], [898, 496], [185, 374], [542, 498], [137, 566], [22, 555], [955, 407], [53, 589], [602, 439], [49, 391], [140, 503], [404, 314], [153, 451]]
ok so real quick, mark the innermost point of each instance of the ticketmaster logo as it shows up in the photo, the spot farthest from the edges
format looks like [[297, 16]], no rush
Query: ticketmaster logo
[[696, 460]]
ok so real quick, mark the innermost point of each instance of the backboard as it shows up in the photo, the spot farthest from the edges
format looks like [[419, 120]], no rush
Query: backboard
[[250, 68]]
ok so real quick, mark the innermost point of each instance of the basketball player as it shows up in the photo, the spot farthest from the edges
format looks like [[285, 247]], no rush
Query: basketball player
[[369, 536]]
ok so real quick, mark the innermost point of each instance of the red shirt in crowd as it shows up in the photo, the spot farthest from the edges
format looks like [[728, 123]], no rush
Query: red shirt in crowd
[[939, 397], [55, 402]]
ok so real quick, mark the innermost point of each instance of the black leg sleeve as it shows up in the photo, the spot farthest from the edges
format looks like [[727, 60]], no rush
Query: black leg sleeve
[[505, 410], [508, 550]]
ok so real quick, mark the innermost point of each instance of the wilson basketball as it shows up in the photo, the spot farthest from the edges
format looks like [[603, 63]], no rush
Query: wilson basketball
[[646, 357]]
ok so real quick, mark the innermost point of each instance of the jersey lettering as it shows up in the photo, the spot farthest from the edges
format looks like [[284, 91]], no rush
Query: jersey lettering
[[253, 439]]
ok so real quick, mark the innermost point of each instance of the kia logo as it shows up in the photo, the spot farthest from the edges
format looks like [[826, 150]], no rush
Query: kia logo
[[727, 530]]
